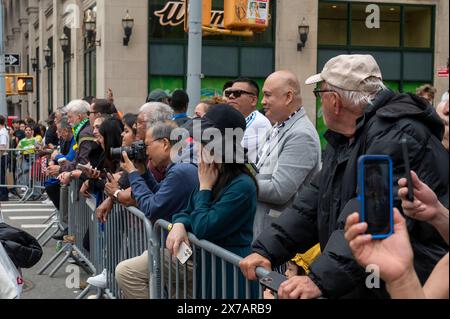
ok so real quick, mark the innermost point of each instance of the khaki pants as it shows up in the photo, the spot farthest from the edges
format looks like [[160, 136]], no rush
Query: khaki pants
[[133, 278]]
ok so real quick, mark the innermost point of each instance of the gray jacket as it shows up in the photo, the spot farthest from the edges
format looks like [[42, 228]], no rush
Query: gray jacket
[[285, 165]]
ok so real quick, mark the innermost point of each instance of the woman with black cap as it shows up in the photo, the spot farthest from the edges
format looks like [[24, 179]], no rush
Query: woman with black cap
[[223, 208]]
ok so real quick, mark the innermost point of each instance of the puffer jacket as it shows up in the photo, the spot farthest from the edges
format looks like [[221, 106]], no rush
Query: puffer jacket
[[23, 249], [317, 213]]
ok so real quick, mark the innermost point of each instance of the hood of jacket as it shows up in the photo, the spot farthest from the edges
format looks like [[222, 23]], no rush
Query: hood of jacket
[[393, 106]]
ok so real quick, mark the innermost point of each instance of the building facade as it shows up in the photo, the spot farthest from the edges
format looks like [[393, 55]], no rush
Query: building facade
[[409, 38]]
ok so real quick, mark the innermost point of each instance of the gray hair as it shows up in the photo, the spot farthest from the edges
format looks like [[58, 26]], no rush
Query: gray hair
[[64, 123], [155, 112], [163, 130], [78, 107], [360, 99]]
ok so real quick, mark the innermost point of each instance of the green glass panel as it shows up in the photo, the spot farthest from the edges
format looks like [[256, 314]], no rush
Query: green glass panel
[[411, 87], [394, 86], [321, 127]]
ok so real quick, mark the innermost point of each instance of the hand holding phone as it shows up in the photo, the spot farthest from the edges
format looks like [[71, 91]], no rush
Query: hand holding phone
[[184, 253], [272, 280]]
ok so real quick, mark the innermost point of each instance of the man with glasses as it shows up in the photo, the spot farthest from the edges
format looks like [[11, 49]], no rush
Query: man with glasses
[[98, 109], [243, 96], [363, 117], [157, 200], [290, 155]]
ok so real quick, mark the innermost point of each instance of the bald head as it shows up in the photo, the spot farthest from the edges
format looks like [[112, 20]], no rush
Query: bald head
[[282, 95], [288, 81]]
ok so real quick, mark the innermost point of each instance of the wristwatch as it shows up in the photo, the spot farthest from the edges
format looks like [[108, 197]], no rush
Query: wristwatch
[[116, 193]]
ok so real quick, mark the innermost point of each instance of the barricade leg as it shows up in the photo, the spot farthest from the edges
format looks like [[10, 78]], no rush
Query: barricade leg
[[65, 248]]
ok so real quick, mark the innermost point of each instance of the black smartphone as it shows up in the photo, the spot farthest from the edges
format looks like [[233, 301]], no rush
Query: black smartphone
[[410, 195], [375, 194], [272, 280]]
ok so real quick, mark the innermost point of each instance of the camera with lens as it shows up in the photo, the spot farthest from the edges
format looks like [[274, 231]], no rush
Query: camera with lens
[[135, 152]]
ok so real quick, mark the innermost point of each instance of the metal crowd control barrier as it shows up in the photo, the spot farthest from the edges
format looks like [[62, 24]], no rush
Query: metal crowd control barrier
[[79, 222], [127, 234], [54, 220], [22, 172], [218, 255]]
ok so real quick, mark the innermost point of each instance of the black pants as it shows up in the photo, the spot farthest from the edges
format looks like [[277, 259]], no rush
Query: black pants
[[3, 190], [53, 193]]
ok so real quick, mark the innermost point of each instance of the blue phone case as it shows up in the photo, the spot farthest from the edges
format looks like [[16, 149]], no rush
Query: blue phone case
[[361, 163]]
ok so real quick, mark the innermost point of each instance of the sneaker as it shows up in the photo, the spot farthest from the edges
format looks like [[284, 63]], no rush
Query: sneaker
[[47, 201], [98, 281]]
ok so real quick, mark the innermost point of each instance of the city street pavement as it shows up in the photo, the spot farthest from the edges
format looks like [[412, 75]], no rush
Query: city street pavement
[[30, 218]]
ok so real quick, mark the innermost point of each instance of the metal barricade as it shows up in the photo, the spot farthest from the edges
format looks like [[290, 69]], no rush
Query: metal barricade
[[80, 215], [15, 172], [205, 276], [127, 235]]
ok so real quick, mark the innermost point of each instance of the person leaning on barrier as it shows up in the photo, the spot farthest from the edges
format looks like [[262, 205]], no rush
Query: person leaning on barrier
[[149, 114], [223, 208], [118, 186], [108, 137], [155, 200], [363, 117], [394, 255], [85, 141]]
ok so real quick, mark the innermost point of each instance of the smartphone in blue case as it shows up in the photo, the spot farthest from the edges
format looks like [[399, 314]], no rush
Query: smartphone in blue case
[[375, 194]]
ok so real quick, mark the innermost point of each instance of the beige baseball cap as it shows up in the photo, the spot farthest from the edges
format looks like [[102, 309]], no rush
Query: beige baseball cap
[[348, 72]]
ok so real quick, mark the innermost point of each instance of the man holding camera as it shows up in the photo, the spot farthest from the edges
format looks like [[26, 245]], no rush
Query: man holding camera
[[363, 117], [155, 200]]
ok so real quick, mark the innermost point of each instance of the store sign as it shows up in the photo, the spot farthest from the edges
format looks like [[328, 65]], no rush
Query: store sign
[[173, 14]]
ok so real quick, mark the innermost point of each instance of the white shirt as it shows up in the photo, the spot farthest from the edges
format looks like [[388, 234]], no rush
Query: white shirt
[[4, 139], [257, 128]]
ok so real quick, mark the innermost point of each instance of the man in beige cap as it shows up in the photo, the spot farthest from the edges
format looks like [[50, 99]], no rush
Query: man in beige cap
[[363, 117]]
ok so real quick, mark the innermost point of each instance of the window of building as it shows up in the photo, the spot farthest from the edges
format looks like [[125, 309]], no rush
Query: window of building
[[38, 86], [418, 26], [333, 22], [66, 69], [90, 65], [403, 45], [368, 32], [50, 77], [239, 56]]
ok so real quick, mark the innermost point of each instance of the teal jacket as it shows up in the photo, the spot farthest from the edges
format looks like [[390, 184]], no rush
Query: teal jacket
[[228, 223]]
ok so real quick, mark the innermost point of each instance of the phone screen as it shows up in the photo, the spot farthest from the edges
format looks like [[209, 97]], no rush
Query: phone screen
[[377, 189]]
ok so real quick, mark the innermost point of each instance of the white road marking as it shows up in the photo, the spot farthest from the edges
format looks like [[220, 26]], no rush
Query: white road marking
[[27, 217]]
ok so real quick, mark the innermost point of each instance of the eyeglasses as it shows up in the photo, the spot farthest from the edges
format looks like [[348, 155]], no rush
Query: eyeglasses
[[93, 112], [237, 93], [150, 143], [318, 92]]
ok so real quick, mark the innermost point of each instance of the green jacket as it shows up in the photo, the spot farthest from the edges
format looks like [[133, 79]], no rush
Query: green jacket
[[228, 223]]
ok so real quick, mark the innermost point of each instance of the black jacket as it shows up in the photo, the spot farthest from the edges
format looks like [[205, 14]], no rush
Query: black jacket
[[23, 249], [316, 215]]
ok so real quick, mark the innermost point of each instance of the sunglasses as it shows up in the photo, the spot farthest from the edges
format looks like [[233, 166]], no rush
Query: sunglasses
[[237, 93]]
